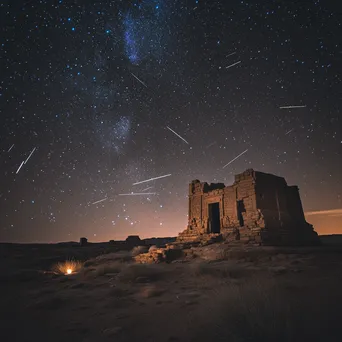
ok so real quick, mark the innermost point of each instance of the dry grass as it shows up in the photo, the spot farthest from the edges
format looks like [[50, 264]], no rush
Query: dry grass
[[127, 272], [248, 255], [264, 310], [142, 273], [114, 267], [220, 270], [151, 291], [109, 268], [67, 267], [121, 256]]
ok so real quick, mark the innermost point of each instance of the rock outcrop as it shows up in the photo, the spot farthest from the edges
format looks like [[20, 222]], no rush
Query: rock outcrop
[[158, 255]]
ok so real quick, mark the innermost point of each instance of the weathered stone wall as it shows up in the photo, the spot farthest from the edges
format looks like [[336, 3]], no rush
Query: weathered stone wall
[[230, 219], [294, 204], [245, 189], [271, 199]]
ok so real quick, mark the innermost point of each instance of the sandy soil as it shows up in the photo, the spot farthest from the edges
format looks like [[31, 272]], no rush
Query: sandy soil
[[222, 294]]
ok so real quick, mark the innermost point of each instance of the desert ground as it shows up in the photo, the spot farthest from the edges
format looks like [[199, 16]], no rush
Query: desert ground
[[219, 292]]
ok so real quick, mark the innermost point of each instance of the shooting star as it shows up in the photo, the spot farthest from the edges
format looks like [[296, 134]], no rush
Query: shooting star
[[139, 80], [176, 134], [104, 199], [289, 131], [22, 163], [29, 155], [236, 158], [138, 194], [291, 107], [231, 54], [151, 179], [150, 187], [230, 66], [213, 143], [10, 148]]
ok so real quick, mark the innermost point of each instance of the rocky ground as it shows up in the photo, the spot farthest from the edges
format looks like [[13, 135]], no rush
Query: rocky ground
[[214, 293]]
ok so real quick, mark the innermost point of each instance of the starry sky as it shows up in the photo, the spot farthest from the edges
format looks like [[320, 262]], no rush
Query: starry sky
[[96, 96]]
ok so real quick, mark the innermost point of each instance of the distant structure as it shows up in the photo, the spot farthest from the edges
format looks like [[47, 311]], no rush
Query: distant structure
[[83, 241], [258, 208], [134, 240]]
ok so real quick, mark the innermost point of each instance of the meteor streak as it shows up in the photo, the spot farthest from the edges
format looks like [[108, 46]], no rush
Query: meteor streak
[[138, 194], [22, 163], [236, 158], [151, 179], [230, 66], [176, 134], [291, 107], [29, 155], [104, 199], [139, 80]]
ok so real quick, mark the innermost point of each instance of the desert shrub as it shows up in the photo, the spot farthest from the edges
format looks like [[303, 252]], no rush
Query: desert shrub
[[139, 250], [89, 263], [67, 267], [262, 310], [150, 292], [101, 270], [219, 270], [142, 273]]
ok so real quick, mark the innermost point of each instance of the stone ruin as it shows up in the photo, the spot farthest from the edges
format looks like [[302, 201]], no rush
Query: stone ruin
[[258, 208], [134, 240], [83, 241]]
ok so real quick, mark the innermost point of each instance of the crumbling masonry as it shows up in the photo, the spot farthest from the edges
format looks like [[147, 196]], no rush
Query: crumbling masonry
[[259, 208]]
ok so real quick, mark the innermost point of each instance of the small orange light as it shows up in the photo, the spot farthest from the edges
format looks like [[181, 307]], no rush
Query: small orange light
[[68, 267]]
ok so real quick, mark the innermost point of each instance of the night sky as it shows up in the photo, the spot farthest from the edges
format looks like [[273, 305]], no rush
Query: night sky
[[98, 95]]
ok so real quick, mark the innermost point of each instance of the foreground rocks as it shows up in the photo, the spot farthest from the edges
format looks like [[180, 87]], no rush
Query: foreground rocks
[[158, 255]]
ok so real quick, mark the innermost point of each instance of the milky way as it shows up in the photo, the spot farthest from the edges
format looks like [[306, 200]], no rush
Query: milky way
[[145, 31], [211, 80]]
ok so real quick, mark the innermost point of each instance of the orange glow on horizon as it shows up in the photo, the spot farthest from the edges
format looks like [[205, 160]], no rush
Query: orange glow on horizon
[[325, 222]]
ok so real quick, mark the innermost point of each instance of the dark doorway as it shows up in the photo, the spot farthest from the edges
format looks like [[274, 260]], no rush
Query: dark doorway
[[214, 217], [240, 209]]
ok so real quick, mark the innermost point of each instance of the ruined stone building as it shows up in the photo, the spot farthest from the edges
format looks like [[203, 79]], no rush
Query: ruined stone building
[[258, 207]]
